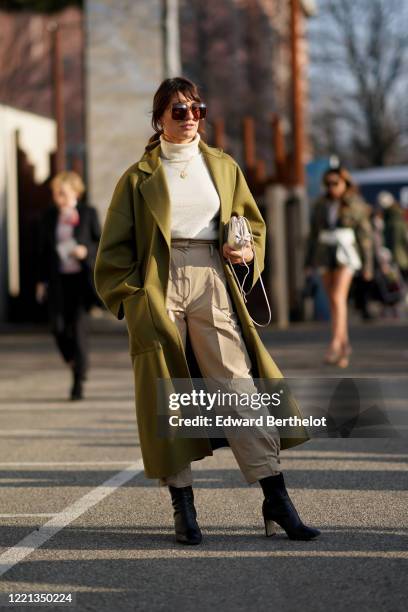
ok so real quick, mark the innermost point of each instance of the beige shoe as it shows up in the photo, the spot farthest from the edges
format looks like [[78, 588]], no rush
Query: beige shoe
[[332, 356], [348, 348], [344, 359]]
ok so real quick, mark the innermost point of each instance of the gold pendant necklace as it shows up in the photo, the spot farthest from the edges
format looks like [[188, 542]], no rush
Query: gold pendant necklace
[[183, 172]]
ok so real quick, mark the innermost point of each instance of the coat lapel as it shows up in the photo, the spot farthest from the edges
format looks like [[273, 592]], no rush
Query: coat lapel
[[53, 219], [156, 194], [79, 229]]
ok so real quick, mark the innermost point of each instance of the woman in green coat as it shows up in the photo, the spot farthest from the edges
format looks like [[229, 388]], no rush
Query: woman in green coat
[[162, 264]]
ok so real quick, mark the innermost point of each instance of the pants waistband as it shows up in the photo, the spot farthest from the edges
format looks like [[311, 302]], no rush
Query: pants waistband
[[192, 241]]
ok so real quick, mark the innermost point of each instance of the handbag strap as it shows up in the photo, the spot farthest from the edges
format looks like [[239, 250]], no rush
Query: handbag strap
[[241, 288]]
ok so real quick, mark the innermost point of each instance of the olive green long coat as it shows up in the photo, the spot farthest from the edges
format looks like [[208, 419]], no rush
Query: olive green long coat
[[131, 275]]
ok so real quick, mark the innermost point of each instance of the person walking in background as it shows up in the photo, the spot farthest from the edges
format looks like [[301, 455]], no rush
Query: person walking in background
[[339, 244], [391, 254], [365, 290], [68, 237], [395, 231]]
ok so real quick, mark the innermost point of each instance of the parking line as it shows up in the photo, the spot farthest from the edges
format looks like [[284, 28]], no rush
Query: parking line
[[12, 556], [30, 514], [59, 463], [61, 407], [64, 431]]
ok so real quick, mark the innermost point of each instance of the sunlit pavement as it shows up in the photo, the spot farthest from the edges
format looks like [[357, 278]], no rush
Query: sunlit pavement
[[77, 514]]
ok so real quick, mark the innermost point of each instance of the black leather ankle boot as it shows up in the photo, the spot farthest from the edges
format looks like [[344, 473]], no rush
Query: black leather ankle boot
[[185, 515], [77, 388], [278, 508]]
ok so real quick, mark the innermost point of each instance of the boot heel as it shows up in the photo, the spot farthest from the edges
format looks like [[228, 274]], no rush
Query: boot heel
[[185, 515], [278, 509], [270, 528]]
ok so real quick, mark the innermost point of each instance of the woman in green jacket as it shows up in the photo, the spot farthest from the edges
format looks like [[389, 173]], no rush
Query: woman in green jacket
[[162, 263], [340, 243]]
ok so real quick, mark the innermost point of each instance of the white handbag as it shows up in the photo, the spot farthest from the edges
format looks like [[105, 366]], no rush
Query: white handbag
[[346, 251], [239, 234]]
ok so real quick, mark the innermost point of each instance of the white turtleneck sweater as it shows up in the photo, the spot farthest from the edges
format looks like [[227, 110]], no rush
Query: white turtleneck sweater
[[195, 203]]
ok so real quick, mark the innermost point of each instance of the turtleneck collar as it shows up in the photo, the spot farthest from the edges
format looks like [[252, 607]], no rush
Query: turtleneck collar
[[180, 152]]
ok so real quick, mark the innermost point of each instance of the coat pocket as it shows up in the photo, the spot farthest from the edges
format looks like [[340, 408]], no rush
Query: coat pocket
[[142, 331]]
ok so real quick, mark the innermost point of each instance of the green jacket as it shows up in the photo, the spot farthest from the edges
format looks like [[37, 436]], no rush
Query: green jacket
[[396, 235], [354, 213], [131, 276]]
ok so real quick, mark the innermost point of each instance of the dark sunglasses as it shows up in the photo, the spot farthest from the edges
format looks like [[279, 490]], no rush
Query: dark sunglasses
[[179, 110], [331, 183]]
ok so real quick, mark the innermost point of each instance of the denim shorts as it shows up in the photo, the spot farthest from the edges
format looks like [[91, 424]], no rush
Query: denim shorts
[[332, 264]]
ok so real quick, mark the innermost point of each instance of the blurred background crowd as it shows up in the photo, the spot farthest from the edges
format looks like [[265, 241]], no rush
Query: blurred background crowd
[[309, 96]]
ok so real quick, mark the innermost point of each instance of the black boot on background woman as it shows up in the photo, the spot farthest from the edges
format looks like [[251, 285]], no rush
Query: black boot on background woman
[[278, 508], [185, 515], [77, 392], [78, 377]]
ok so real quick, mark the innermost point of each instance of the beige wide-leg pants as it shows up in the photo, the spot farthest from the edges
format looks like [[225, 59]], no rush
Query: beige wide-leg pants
[[198, 299]]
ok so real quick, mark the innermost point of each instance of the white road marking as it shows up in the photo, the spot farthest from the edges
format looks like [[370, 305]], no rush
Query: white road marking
[[12, 556], [31, 514], [63, 407], [317, 465], [63, 463], [340, 454], [239, 554], [67, 431]]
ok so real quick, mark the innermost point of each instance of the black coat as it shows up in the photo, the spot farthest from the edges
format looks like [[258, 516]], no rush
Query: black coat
[[88, 233]]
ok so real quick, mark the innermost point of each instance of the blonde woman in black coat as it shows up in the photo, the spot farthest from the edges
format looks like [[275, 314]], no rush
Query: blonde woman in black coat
[[68, 238]]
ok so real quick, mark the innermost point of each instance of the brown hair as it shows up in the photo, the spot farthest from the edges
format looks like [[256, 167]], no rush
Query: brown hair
[[161, 100], [70, 177], [343, 173]]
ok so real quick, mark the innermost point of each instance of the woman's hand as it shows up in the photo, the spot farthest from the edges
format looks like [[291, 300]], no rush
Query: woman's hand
[[80, 251], [367, 276], [236, 255], [40, 292]]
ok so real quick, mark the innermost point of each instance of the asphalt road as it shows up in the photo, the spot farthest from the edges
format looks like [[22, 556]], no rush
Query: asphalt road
[[77, 514]]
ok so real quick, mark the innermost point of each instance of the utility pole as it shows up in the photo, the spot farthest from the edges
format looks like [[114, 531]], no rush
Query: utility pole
[[58, 93], [171, 46], [296, 206], [286, 210], [298, 177]]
